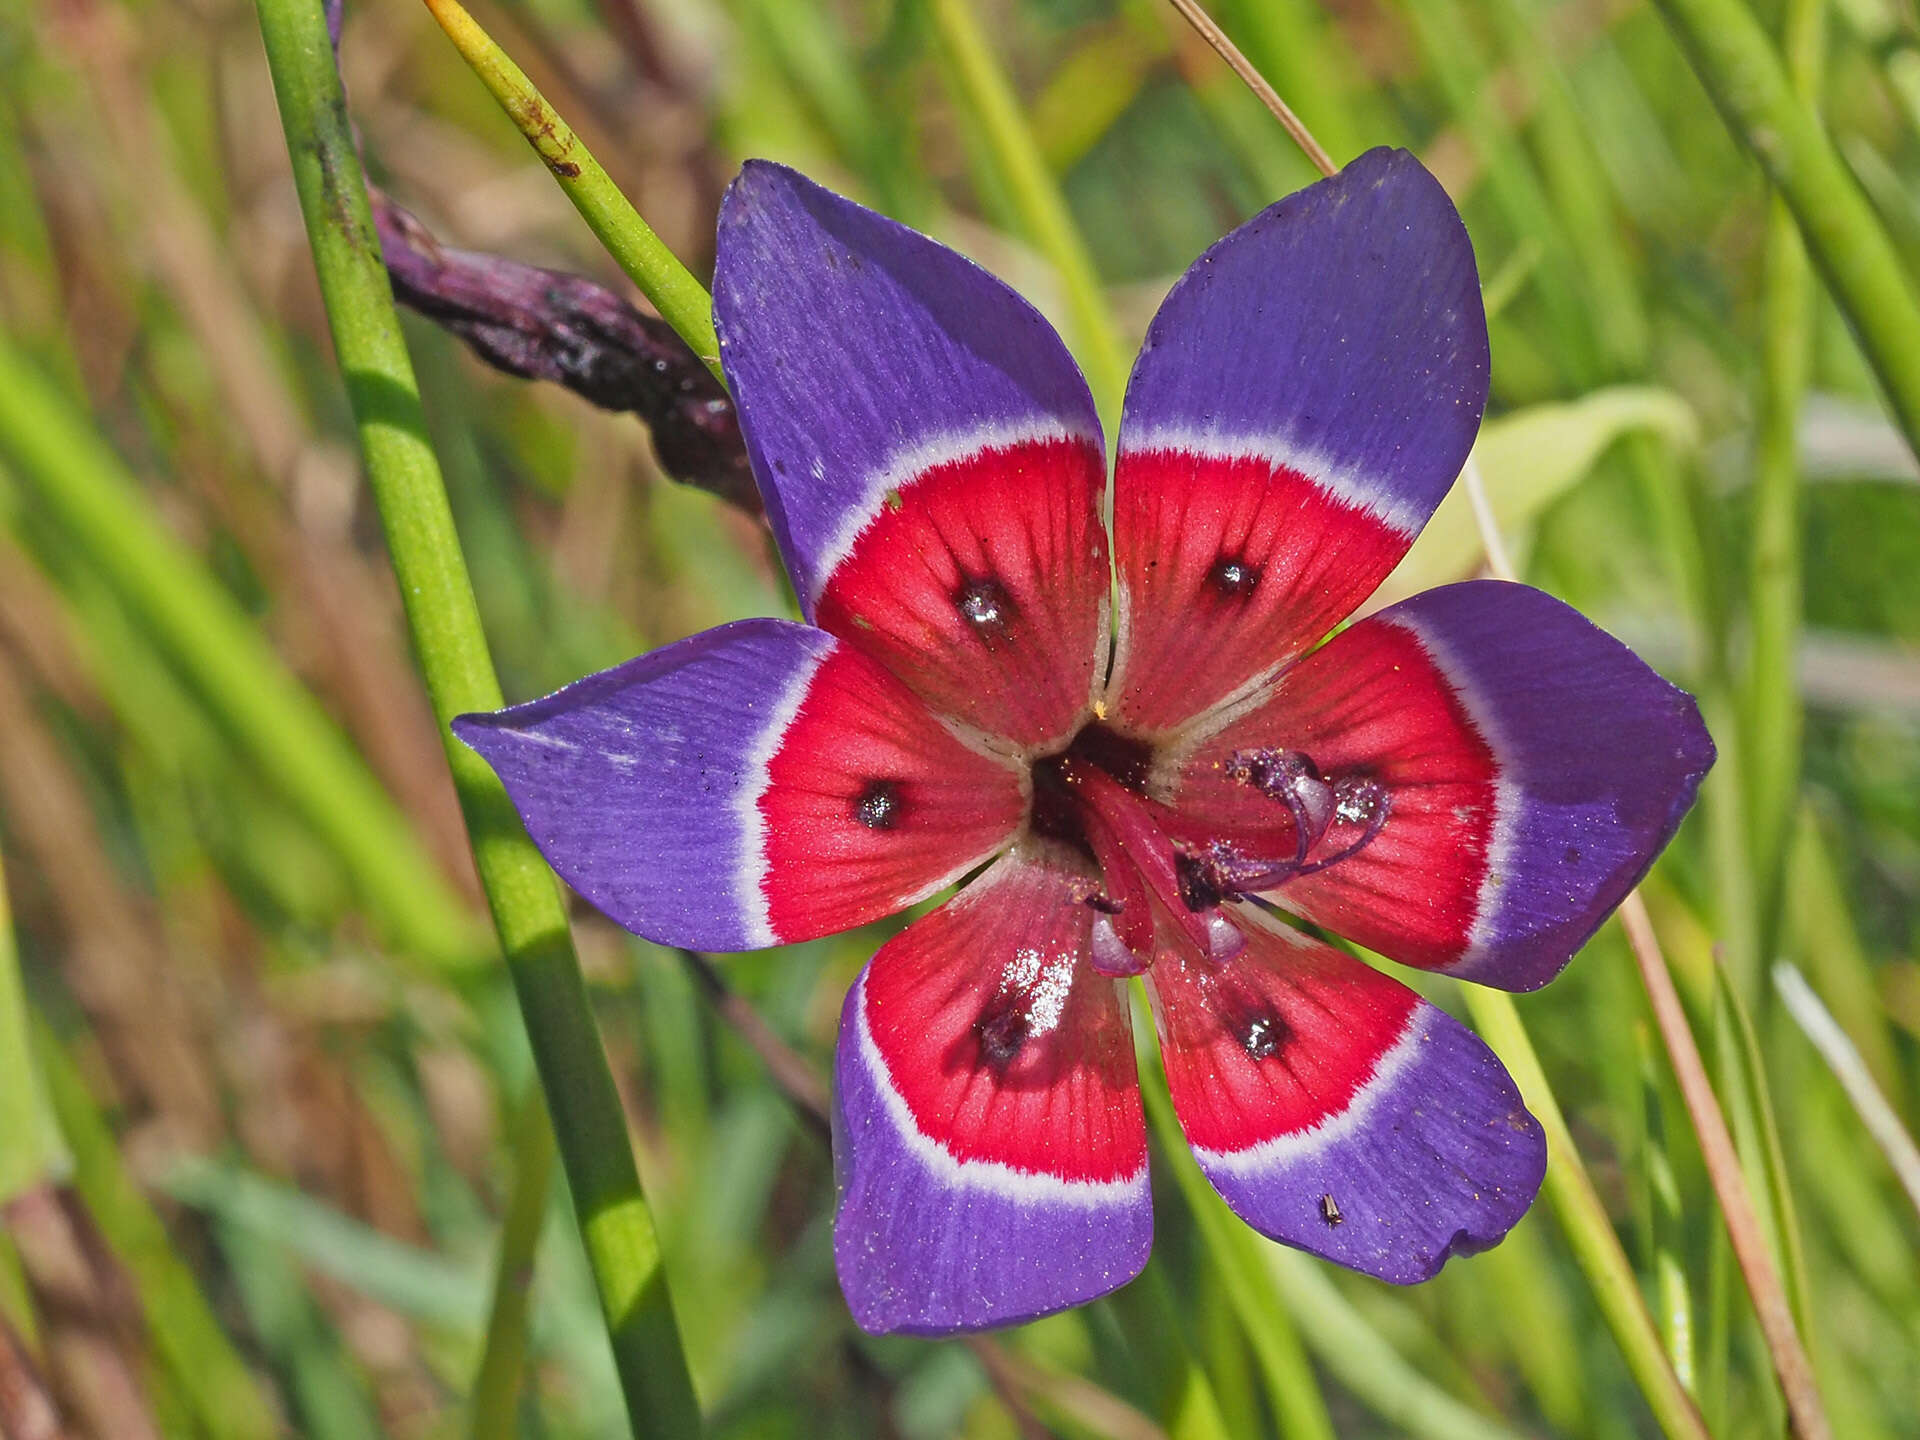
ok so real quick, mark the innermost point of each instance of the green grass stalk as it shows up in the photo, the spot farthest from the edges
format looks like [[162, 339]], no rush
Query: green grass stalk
[[1583, 1222], [1737, 63], [30, 1148], [1772, 690], [1365, 1362], [1292, 1391], [1155, 1327], [226, 1399], [682, 301], [529, 914], [1666, 1230]]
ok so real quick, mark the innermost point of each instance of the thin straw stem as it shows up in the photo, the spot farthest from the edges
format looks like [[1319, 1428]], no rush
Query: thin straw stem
[[682, 301], [1736, 62], [1210, 31], [1790, 1362], [616, 1224]]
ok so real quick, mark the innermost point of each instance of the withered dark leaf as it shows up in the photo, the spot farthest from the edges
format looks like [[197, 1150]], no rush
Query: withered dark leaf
[[550, 325]]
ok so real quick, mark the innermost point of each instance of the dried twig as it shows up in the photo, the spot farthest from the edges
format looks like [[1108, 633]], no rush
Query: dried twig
[[543, 324], [1211, 32], [551, 325], [1790, 1362]]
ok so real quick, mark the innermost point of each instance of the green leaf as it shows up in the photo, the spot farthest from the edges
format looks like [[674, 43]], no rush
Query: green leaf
[[1528, 459]]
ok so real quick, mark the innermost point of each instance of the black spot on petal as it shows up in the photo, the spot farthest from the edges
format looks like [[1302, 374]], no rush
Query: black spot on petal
[[880, 805], [1003, 1029], [1261, 1033], [1233, 577], [986, 606]]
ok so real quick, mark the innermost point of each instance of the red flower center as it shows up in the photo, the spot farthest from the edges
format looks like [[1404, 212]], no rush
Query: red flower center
[[1164, 874]]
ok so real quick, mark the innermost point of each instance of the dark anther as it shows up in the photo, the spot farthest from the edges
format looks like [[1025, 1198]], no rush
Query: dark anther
[[879, 805], [1200, 880], [1104, 905], [1003, 1030], [1233, 577], [986, 606]]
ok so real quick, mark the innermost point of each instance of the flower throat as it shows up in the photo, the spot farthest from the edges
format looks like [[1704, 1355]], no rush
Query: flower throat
[[1163, 876]]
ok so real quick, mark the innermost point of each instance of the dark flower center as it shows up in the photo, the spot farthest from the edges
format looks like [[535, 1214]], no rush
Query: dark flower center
[[1164, 875]]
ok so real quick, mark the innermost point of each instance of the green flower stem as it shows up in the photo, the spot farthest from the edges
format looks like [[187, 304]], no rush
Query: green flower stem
[[1737, 64], [1773, 716], [682, 301], [1293, 1392], [529, 914], [64, 466], [492, 1412], [982, 87], [30, 1148], [1583, 1220]]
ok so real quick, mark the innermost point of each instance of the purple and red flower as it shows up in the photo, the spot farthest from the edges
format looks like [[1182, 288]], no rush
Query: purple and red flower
[[1133, 733]]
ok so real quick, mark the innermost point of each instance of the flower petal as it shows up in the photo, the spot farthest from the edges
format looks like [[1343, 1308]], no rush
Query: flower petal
[[752, 785], [1536, 768], [1306, 395], [988, 1132], [929, 454], [1336, 1110]]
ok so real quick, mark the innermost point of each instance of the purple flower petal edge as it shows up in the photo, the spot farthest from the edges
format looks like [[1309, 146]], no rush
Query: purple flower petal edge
[[926, 1246], [636, 783], [1436, 1156], [1600, 759], [859, 352], [1340, 332]]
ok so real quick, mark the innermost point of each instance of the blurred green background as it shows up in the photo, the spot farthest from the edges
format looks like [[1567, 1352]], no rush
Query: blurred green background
[[256, 1159]]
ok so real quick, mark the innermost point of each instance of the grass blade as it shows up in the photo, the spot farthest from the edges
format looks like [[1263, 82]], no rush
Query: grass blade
[[612, 1211]]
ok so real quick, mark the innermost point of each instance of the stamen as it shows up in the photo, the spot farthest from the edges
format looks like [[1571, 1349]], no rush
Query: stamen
[[1224, 940], [1126, 838], [1110, 955], [1360, 800], [1291, 777]]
